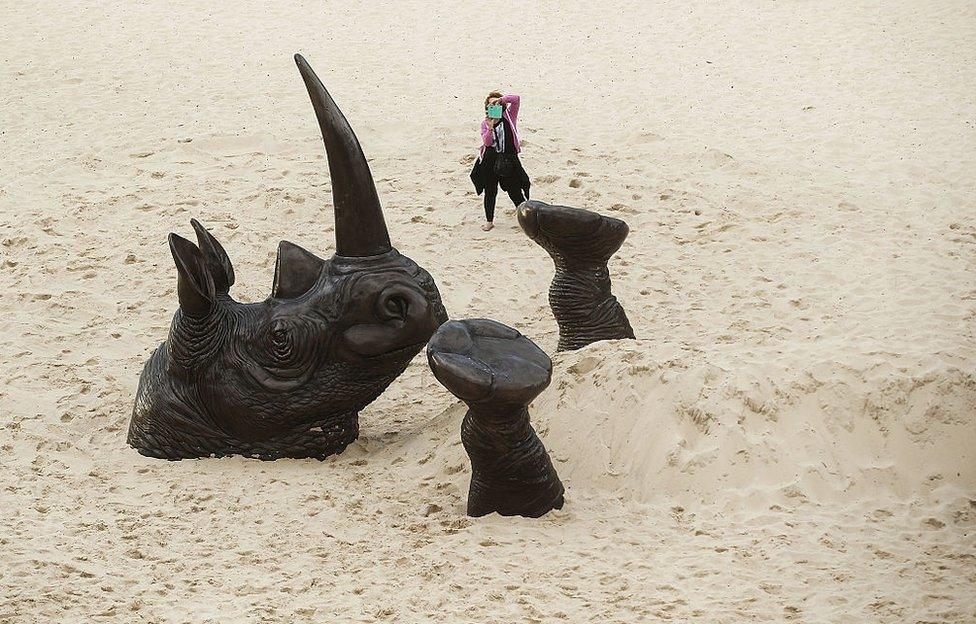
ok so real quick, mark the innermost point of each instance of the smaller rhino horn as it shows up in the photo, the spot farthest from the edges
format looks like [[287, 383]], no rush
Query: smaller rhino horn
[[194, 286], [296, 271], [217, 259]]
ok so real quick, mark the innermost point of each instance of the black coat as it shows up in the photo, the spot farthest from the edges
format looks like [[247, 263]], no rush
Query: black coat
[[483, 172]]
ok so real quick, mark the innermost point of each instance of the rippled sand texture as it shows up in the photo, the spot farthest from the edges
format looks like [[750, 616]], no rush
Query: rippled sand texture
[[790, 439]]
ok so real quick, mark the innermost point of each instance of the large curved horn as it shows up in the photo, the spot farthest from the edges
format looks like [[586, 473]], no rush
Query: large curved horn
[[359, 226]]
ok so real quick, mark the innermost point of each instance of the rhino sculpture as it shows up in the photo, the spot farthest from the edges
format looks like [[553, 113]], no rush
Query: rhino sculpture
[[287, 377]]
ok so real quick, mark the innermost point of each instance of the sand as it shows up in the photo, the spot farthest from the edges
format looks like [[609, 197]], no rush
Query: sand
[[790, 439]]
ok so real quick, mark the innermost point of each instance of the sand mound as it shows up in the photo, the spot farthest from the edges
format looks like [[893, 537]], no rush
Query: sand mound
[[646, 422]]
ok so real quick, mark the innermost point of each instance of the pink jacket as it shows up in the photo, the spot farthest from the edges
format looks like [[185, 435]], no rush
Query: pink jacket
[[511, 115]]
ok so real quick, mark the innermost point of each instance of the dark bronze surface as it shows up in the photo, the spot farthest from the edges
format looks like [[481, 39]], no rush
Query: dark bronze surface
[[580, 243], [287, 377], [497, 372]]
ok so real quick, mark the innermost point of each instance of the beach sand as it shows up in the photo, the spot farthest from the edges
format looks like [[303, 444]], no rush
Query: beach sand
[[791, 438]]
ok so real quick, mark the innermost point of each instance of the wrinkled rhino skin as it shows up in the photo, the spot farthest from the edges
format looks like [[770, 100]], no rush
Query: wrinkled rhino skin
[[580, 243], [497, 372], [287, 377]]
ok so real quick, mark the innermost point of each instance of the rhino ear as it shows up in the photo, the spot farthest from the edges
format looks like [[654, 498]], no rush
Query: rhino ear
[[296, 271], [194, 285], [218, 262]]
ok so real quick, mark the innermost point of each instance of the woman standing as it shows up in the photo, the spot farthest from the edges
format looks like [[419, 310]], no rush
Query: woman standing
[[499, 163]]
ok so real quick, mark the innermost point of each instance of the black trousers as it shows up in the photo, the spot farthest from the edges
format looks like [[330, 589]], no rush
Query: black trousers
[[491, 186], [491, 192]]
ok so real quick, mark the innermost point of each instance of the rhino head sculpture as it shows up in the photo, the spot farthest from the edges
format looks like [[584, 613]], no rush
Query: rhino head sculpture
[[287, 377]]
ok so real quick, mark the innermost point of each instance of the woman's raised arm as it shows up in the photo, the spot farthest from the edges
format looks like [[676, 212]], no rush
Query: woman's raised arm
[[513, 101]]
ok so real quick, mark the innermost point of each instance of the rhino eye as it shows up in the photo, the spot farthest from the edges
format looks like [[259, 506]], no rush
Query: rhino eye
[[280, 342]]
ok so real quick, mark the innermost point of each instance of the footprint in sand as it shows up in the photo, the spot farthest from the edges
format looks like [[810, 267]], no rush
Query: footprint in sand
[[649, 137], [716, 159], [623, 208]]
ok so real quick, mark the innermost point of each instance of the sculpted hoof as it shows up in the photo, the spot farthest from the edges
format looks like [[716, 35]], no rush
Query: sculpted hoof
[[580, 243], [497, 372], [287, 377]]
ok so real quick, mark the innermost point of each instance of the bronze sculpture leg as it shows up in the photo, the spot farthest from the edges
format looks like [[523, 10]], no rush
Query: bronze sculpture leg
[[497, 372], [580, 243]]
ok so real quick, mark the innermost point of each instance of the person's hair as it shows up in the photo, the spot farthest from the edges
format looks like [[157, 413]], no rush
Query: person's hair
[[492, 96]]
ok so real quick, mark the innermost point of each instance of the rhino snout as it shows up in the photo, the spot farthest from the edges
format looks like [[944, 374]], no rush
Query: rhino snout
[[404, 319]]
